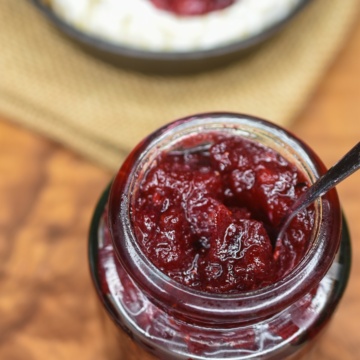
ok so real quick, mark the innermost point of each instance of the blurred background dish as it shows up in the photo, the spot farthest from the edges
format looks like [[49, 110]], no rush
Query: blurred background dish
[[141, 35]]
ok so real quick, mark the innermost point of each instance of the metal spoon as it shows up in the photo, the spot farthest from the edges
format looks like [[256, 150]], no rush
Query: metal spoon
[[340, 171]]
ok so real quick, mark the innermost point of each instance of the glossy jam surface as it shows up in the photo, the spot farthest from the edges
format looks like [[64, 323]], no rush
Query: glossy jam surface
[[284, 329], [206, 212], [191, 7]]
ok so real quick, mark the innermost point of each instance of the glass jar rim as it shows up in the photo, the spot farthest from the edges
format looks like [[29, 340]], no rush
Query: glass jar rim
[[204, 307]]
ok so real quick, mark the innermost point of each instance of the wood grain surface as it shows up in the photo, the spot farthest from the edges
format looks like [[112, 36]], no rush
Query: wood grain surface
[[48, 309]]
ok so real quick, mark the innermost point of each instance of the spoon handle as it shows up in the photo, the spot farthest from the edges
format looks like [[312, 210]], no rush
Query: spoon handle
[[340, 171]]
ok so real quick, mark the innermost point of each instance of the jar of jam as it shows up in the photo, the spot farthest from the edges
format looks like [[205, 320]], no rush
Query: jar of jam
[[183, 249]]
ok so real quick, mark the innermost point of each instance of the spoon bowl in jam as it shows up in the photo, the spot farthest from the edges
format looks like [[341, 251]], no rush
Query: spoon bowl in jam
[[337, 173]]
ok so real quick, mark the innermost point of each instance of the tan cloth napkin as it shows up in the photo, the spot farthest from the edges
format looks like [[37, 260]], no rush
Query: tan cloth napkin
[[50, 85]]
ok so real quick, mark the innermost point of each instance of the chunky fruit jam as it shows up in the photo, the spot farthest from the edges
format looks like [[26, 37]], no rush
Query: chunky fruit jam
[[191, 7], [115, 284], [187, 232], [207, 212]]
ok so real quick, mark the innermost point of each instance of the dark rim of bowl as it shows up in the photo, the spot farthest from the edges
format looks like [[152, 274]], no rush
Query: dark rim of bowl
[[121, 50]]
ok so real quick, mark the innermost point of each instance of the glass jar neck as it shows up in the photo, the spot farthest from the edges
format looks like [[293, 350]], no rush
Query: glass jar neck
[[207, 308]]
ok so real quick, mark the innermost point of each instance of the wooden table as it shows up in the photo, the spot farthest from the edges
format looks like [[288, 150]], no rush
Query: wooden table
[[47, 306]]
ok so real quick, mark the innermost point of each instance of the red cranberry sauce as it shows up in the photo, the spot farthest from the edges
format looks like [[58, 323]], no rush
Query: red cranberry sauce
[[191, 7], [206, 213]]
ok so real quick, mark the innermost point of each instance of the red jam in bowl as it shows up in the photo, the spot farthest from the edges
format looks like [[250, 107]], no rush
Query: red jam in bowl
[[191, 7], [207, 213]]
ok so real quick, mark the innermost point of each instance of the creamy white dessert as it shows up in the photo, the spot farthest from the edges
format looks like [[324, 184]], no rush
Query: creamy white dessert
[[139, 24]]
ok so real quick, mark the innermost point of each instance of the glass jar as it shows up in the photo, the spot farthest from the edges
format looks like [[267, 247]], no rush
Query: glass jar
[[172, 321]]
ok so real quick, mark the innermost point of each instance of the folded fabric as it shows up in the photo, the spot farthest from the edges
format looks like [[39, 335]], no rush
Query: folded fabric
[[50, 85]]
